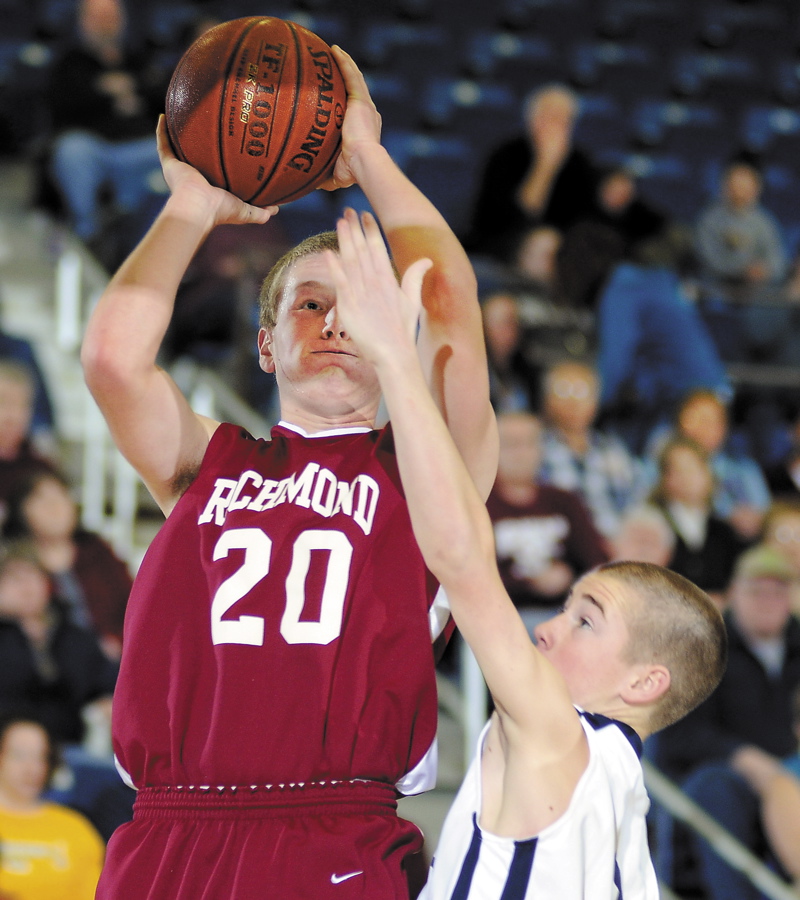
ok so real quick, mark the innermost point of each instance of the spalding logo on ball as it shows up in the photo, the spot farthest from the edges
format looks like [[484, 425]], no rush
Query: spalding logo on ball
[[256, 105]]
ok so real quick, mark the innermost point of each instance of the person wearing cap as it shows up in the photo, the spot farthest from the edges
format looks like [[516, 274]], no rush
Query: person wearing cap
[[727, 752]]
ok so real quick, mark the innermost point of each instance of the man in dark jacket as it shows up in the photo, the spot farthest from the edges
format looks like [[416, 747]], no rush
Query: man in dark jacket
[[727, 751]]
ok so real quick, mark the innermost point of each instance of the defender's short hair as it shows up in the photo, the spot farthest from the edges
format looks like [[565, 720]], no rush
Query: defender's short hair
[[676, 625], [269, 297]]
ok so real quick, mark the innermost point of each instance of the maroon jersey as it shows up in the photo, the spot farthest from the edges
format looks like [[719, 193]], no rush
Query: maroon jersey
[[278, 627]]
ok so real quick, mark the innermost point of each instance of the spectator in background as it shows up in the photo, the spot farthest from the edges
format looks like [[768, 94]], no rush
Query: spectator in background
[[577, 455], [544, 535], [90, 580], [737, 240], [644, 535], [47, 851], [783, 474], [782, 532], [652, 344], [513, 380], [727, 751], [741, 494], [741, 250], [105, 102], [18, 455], [47, 665], [619, 208], [537, 178], [43, 427], [706, 546], [536, 258]]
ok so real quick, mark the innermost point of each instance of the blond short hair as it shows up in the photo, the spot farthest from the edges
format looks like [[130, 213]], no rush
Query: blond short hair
[[677, 625], [271, 292]]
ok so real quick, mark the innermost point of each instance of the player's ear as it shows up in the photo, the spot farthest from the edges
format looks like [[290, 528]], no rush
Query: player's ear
[[266, 360], [647, 684]]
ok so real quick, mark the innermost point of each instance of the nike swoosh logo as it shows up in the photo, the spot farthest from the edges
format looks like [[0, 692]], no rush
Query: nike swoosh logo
[[338, 879]]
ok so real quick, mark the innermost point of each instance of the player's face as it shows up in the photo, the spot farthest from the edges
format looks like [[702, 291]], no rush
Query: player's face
[[24, 761], [311, 354], [586, 642]]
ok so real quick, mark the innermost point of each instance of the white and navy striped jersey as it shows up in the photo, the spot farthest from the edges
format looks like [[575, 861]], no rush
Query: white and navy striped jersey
[[597, 850]]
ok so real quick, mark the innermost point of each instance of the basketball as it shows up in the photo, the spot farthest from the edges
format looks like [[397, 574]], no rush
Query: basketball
[[256, 105]]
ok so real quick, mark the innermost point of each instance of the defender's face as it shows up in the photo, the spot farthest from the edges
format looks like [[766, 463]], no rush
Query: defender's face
[[309, 351], [586, 642]]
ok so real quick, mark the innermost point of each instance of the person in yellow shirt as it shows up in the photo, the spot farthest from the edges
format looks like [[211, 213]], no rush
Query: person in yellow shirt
[[47, 851]]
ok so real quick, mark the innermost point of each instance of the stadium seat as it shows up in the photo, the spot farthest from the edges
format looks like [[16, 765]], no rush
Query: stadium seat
[[484, 112], [394, 97], [759, 28], [689, 128], [416, 49], [523, 61], [603, 123], [773, 132], [721, 76], [659, 22], [561, 20], [667, 181], [624, 69]]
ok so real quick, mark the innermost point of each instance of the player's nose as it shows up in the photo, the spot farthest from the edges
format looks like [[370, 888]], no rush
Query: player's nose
[[543, 635], [332, 327]]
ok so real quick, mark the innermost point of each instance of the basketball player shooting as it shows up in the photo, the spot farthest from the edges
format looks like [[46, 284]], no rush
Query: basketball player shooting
[[277, 685], [554, 803]]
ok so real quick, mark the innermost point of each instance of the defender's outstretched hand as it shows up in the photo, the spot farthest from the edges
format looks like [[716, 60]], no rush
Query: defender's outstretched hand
[[184, 179], [379, 314]]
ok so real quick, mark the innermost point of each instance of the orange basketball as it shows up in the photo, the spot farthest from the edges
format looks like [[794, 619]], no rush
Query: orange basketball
[[256, 104]]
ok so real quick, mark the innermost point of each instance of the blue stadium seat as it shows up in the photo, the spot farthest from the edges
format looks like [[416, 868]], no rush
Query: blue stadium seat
[[785, 81], [687, 128], [668, 181], [625, 69], [523, 61], [781, 195], [561, 20], [759, 28], [485, 112], [167, 23], [771, 131], [659, 22], [722, 76], [417, 49], [394, 97], [11, 50], [602, 123], [309, 215]]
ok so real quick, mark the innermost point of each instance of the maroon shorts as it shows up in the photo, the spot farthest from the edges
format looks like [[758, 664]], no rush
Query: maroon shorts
[[339, 840]]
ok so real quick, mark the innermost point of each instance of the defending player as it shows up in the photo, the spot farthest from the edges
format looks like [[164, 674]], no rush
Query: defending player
[[278, 677], [554, 804]]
